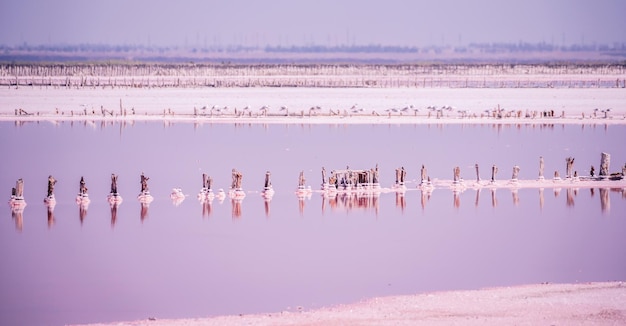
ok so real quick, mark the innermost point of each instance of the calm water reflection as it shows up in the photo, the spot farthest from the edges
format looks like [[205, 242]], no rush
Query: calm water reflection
[[183, 258]]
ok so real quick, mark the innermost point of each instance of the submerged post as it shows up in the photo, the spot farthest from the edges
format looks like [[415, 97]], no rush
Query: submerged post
[[605, 161]]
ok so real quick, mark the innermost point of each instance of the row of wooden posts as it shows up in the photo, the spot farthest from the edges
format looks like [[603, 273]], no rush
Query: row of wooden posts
[[346, 179]]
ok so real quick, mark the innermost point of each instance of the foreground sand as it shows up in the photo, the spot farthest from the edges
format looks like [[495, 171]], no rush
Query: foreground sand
[[543, 304]]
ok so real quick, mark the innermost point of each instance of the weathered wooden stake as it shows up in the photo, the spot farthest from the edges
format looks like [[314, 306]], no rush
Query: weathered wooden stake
[[268, 182], [477, 173], [515, 175], [51, 183], [144, 183], [494, 171], [605, 161], [113, 183], [82, 189]]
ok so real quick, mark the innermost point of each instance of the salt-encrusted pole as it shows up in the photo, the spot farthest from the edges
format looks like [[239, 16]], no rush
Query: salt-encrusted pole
[[515, 175], [144, 183], [238, 180], [234, 179], [301, 179], [541, 165], [113, 183], [477, 173], [82, 188], [323, 175], [569, 167], [423, 175], [605, 161], [19, 188], [494, 171], [457, 174], [51, 182], [268, 182]]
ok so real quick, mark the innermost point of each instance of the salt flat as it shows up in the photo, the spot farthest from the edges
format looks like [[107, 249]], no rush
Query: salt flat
[[318, 105]]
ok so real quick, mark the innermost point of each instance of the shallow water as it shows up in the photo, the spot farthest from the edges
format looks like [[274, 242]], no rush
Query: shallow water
[[190, 260]]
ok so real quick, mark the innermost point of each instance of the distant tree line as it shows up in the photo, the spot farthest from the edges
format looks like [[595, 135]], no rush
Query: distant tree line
[[372, 48]]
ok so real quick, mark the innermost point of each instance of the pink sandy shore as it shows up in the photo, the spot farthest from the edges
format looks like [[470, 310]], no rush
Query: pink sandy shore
[[541, 304]]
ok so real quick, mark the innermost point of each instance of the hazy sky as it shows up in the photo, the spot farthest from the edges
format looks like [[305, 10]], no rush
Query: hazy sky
[[321, 22]]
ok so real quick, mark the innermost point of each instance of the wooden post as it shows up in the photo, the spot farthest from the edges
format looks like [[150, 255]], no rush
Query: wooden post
[[477, 173], [541, 166], [19, 188], [569, 167], [51, 183], [144, 183], [605, 161], [268, 182], [113, 183], [515, 175], [82, 189]]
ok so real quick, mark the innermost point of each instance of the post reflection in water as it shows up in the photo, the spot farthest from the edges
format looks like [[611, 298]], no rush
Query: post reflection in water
[[207, 207], [144, 211], [82, 212], [114, 206], [541, 198], [457, 198], [425, 197], [477, 197], [570, 193], [605, 204], [301, 204], [266, 204], [349, 201], [236, 207], [494, 199], [50, 216], [400, 200], [17, 213], [515, 197]]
